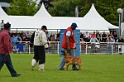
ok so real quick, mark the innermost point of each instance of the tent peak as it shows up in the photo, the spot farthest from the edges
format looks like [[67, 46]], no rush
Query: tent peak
[[42, 12]]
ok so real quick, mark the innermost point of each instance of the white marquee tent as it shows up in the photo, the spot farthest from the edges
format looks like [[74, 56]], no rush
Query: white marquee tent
[[95, 21], [91, 21], [2, 13], [42, 12]]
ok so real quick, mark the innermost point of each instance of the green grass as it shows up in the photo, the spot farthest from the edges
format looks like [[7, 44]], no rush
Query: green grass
[[95, 68]]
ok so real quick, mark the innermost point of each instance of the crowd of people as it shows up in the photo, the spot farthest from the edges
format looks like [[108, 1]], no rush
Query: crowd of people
[[93, 37]]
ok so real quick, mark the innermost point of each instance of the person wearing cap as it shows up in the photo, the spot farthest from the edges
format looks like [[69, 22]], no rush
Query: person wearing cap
[[68, 43], [1, 25], [6, 49], [40, 43]]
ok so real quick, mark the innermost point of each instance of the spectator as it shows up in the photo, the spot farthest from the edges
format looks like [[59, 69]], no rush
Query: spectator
[[93, 35], [104, 37], [86, 37], [2, 25], [93, 41], [120, 40], [81, 35], [58, 37], [110, 41], [82, 45], [14, 40], [98, 36], [115, 36]]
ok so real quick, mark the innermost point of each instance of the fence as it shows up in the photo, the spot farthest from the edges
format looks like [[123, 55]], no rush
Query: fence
[[85, 48]]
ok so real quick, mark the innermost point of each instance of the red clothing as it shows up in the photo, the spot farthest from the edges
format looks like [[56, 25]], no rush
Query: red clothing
[[71, 39], [5, 42]]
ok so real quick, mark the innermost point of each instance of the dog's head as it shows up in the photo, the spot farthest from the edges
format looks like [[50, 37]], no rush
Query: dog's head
[[64, 52]]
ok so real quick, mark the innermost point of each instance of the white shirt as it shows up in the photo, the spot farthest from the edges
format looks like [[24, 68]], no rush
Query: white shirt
[[40, 38], [68, 33], [1, 25]]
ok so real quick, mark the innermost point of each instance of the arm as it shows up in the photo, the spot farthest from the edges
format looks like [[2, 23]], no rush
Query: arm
[[68, 34], [43, 38], [67, 41], [7, 44]]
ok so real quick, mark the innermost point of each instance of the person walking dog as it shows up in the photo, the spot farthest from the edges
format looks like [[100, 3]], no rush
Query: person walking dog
[[69, 43]]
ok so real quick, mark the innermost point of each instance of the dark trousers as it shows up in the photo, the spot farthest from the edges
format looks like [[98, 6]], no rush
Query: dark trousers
[[39, 54], [8, 64]]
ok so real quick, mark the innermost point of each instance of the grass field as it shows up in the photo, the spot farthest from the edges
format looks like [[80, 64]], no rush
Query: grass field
[[95, 68]]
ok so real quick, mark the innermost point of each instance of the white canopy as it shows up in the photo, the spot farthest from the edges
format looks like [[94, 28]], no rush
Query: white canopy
[[42, 12], [91, 21], [2, 12], [95, 21]]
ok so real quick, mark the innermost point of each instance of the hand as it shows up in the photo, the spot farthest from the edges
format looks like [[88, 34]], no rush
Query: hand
[[68, 49], [6, 58]]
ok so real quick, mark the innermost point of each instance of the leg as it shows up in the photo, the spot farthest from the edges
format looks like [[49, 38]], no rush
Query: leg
[[66, 66], [62, 63], [72, 53], [79, 66], [107, 49], [10, 66], [42, 57], [1, 61], [36, 53], [35, 58], [33, 63]]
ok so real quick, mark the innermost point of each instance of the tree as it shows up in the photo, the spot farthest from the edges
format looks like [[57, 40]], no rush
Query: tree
[[6, 1], [22, 7], [46, 3], [106, 8], [64, 7]]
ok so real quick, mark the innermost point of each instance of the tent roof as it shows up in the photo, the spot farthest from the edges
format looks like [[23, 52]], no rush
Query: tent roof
[[95, 21], [2, 12], [42, 12], [91, 21], [4, 4]]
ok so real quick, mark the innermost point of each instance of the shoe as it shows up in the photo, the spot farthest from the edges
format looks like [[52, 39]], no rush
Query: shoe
[[32, 68], [75, 69], [16, 75], [42, 70], [61, 69]]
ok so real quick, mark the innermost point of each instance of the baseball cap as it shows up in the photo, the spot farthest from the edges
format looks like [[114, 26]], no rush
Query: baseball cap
[[7, 25], [74, 24], [44, 27]]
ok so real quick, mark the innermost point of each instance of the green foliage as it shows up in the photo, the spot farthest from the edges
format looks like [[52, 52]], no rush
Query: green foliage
[[95, 68], [6, 1], [22, 7], [64, 7], [106, 8]]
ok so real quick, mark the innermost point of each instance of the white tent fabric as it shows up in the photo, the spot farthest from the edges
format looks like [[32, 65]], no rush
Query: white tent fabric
[[42, 12], [2, 13], [91, 21]]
